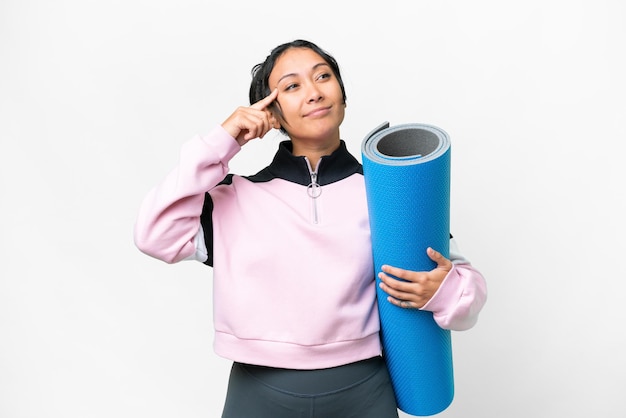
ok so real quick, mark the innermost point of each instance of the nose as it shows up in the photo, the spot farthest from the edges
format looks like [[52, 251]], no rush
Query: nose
[[314, 94]]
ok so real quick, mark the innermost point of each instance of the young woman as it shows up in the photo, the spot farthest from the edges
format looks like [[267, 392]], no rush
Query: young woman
[[294, 287]]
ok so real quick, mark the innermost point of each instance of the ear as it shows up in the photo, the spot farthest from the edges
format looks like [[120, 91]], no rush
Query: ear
[[274, 120]]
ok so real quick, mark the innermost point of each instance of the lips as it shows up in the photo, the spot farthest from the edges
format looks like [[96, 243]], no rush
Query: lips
[[320, 111]]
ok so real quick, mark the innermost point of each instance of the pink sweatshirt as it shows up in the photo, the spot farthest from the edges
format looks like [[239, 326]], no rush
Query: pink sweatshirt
[[294, 285]]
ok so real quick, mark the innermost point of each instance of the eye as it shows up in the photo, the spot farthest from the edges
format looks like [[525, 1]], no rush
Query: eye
[[324, 76], [291, 86]]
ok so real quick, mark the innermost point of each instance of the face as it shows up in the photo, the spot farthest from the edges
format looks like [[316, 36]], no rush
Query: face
[[309, 96]]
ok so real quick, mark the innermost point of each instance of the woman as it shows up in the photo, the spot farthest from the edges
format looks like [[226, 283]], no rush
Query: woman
[[294, 287]]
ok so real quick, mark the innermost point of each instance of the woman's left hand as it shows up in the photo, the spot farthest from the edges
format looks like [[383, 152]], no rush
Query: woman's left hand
[[416, 287]]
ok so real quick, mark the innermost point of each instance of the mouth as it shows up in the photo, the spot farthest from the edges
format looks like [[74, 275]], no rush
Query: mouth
[[318, 112]]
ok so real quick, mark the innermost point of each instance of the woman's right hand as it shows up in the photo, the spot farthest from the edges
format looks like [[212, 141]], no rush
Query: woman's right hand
[[251, 122]]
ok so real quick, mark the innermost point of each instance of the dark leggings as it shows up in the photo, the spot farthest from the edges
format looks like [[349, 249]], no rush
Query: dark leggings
[[358, 390]]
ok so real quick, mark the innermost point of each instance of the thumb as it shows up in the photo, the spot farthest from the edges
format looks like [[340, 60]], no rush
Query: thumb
[[437, 257]]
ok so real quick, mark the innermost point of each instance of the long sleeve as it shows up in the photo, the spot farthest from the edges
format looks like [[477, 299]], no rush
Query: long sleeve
[[169, 216], [461, 296]]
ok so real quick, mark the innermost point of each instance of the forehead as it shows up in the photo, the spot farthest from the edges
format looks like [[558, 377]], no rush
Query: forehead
[[295, 61]]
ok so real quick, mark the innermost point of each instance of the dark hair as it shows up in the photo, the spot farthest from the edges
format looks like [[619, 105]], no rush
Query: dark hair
[[259, 87]]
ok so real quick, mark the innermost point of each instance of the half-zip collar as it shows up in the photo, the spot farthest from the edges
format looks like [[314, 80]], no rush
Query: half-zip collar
[[331, 168]]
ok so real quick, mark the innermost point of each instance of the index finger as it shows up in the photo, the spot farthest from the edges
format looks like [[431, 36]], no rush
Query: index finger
[[266, 101], [394, 271]]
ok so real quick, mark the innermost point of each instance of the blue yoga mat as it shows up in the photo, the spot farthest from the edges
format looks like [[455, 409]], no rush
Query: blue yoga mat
[[407, 179]]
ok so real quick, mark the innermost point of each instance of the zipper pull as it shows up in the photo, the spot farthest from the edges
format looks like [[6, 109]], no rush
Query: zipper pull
[[314, 190]]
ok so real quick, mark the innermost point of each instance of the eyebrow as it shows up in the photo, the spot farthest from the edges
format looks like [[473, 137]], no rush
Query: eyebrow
[[315, 67]]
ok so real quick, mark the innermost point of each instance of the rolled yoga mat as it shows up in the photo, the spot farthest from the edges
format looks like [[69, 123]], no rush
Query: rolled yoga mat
[[407, 180]]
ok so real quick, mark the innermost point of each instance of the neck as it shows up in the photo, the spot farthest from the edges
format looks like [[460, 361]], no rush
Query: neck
[[313, 152]]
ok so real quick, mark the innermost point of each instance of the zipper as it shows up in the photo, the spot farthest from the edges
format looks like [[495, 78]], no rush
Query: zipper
[[314, 190]]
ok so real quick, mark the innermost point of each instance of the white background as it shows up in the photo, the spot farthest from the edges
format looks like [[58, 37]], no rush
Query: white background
[[96, 98]]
